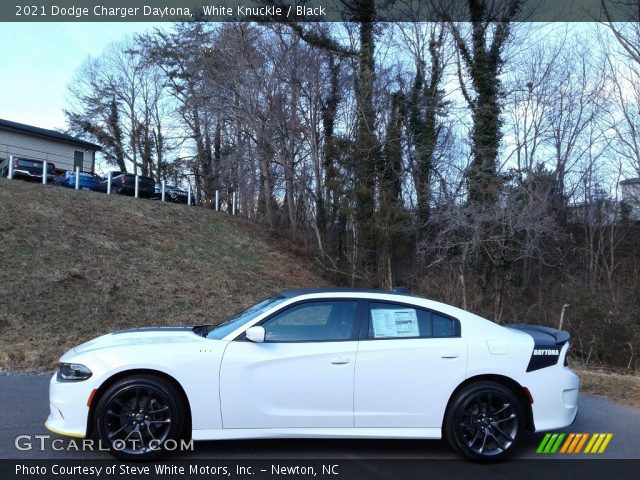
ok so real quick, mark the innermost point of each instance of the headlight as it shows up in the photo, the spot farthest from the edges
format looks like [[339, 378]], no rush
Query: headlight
[[73, 372]]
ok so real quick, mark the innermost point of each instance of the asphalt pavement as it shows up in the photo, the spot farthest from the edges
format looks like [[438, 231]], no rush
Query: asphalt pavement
[[24, 407]]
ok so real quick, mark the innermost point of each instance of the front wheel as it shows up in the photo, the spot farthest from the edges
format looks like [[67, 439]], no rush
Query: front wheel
[[484, 422], [137, 415]]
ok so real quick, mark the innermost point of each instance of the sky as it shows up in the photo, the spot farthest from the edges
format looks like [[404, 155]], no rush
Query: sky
[[39, 60]]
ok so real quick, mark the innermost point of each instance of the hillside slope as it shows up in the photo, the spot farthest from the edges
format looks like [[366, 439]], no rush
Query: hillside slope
[[74, 265]]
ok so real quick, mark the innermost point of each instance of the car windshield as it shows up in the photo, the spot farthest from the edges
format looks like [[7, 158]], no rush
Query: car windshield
[[225, 328]]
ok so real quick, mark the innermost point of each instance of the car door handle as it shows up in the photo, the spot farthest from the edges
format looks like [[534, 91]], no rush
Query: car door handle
[[340, 360], [449, 355]]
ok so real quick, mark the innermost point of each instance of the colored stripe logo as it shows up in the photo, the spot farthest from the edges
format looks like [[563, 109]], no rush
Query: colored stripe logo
[[574, 443]]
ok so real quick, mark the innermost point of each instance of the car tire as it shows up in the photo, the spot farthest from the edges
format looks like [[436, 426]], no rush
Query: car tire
[[484, 422], [136, 416]]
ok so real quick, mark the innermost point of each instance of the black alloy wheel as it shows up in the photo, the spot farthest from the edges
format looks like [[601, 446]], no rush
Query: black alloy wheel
[[485, 422], [137, 415]]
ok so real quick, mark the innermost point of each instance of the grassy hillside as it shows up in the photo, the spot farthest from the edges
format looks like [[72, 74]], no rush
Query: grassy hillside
[[74, 265], [624, 389]]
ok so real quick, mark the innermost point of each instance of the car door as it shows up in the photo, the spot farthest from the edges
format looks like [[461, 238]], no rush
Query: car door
[[409, 361], [301, 376]]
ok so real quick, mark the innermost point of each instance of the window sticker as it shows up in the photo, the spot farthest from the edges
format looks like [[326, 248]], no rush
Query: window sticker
[[394, 322]]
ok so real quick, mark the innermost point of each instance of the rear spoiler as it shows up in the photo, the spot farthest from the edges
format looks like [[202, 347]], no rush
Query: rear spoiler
[[543, 335]]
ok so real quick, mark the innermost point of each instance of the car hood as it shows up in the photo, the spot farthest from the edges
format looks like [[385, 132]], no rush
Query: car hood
[[145, 336]]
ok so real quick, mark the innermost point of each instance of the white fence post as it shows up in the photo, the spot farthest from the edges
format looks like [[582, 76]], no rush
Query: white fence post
[[44, 172], [137, 186], [217, 200], [233, 203], [109, 178], [163, 184], [189, 194], [10, 173], [77, 177]]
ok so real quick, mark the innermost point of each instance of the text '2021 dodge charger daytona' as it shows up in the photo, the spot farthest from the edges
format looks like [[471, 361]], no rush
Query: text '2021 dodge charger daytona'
[[323, 363]]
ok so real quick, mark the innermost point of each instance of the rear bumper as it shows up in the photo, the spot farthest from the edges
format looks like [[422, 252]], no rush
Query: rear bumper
[[82, 186], [177, 198], [32, 176], [131, 190], [555, 393]]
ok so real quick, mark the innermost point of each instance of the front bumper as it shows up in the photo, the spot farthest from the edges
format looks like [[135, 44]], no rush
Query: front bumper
[[555, 397], [68, 410]]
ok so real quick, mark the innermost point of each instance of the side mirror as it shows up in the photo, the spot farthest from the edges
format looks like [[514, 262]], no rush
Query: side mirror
[[255, 334]]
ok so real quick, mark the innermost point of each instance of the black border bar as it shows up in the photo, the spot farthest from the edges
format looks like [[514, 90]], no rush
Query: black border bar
[[365, 469], [305, 10]]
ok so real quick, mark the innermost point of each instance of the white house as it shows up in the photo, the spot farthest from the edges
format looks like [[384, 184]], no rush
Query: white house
[[64, 151], [631, 197]]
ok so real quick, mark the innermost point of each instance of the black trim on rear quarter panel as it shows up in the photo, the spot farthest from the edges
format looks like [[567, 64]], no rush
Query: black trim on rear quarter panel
[[547, 344]]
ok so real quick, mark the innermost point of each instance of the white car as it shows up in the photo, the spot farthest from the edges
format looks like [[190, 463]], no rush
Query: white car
[[321, 363]]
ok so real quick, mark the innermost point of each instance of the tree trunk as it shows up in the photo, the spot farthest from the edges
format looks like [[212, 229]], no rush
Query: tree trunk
[[366, 147]]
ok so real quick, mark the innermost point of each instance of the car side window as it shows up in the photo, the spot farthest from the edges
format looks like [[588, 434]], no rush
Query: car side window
[[442, 327], [390, 320], [321, 321]]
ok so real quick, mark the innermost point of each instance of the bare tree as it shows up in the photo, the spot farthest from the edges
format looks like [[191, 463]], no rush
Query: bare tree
[[118, 99]]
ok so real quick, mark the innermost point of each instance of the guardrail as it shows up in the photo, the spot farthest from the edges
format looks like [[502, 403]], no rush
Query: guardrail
[[163, 197]]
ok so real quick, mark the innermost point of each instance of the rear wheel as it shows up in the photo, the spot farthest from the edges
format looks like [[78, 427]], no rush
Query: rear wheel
[[137, 415], [484, 422]]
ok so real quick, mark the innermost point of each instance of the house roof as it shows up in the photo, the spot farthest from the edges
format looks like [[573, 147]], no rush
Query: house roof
[[630, 181], [44, 133]]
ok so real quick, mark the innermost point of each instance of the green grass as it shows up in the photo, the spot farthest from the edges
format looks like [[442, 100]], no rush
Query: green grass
[[75, 265]]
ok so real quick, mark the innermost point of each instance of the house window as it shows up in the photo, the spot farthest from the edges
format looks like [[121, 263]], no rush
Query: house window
[[78, 159]]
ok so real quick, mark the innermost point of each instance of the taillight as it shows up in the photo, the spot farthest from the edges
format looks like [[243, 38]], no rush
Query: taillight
[[122, 179], [15, 163]]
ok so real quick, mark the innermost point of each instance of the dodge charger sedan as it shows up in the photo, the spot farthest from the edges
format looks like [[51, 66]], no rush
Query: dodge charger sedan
[[322, 363]]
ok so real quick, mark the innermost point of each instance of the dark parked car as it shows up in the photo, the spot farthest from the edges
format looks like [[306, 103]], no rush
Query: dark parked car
[[171, 194], [28, 169], [88, 181], [125, 184]]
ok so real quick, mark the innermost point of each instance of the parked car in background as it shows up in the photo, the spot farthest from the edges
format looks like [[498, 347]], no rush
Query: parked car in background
[[87, 181], [28, 169], [171, 194], [125, 184]]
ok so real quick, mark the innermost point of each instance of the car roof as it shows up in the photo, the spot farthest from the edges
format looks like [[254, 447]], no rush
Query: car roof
[[472, 322], [355, 291]]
